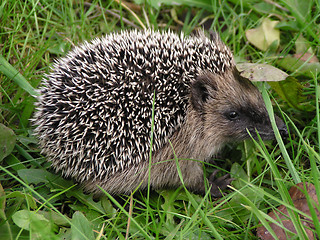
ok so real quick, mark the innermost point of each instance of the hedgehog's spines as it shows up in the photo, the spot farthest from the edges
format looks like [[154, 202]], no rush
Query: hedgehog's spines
[[101, 92]]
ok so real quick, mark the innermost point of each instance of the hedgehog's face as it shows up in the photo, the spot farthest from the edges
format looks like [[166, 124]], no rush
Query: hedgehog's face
[[229, 106]]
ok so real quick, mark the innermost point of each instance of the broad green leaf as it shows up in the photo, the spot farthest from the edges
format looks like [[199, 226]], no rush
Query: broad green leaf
[[2, 203], [302, 45], [290, 90], [238, 201], [263, 7], [37, 224], [87, 200], [168, 205], [108, 207], [81, 228], [8, 70], [15, 162], [239, 174], [42, 228], [27, 112], [288, 26], [22, 219], [64, 233], [263, 36], [7, 141], [299, 8], [56, 218], [36, 176], [20, 196]]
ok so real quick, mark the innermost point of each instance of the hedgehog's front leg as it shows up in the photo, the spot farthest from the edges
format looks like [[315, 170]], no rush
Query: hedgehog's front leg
[[194, 181], [165, 174], [219, 184]]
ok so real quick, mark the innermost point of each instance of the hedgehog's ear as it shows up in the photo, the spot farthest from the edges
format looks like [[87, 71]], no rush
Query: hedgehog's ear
[[201, 90], [214, 36]]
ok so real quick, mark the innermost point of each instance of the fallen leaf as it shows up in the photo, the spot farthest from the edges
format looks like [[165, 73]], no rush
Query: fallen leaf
[[288, 88], [306, 57], [7, 141], [300, 202], [261, 72], [302, 45], [263, 36]]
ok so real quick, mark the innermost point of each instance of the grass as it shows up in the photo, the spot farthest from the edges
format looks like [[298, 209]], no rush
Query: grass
[[38, 204]]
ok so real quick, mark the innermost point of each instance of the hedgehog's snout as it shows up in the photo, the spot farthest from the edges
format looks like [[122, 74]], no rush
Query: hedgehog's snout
[[266, 132], [282, 127]]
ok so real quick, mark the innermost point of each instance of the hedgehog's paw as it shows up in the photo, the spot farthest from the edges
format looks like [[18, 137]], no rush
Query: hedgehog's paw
[[219, 184]]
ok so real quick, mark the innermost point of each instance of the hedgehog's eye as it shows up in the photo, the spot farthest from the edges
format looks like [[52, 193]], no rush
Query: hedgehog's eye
[[233, 115]]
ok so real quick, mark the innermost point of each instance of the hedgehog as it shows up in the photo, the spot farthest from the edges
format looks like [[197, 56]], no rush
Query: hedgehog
[[135, 100]]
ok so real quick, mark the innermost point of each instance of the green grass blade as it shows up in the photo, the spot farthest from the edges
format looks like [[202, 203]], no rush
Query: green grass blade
[[193, 201], [283, 149], [8, 70], [142, 231]]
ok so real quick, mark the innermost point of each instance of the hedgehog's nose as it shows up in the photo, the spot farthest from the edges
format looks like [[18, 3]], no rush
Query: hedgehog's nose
[[282, 127], [284, 131]]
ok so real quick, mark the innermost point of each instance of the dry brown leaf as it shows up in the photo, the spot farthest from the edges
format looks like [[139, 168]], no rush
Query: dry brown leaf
[[261, 72], [300, 202], [306, 57]]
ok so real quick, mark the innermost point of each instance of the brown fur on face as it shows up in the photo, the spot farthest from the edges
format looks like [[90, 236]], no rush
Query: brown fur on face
[[230, 94]]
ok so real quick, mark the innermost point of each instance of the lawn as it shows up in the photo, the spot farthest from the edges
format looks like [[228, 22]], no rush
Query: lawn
[[37, 203]]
